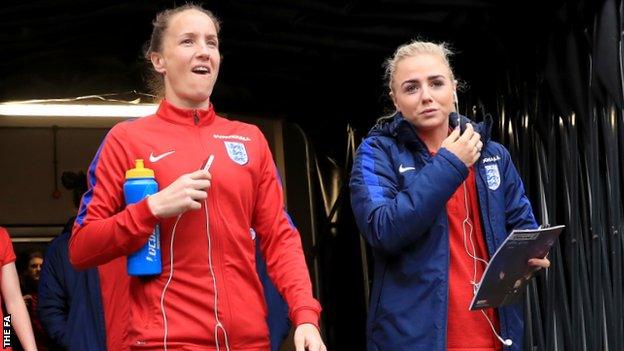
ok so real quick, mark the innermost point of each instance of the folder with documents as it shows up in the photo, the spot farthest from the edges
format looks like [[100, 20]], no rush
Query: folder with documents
[[508, 270]]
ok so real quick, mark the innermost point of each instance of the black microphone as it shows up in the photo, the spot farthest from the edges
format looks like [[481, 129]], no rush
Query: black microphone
[[457, 120]]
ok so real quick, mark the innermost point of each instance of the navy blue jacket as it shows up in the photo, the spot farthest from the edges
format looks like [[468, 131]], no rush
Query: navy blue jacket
[[398, 194], [70, 301], [277, 317]]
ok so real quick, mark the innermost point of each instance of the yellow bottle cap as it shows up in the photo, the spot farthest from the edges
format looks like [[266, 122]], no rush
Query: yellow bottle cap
[[139, 171]]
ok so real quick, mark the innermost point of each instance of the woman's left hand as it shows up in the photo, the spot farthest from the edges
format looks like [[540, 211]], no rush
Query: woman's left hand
[[307, 337], [539, 262]]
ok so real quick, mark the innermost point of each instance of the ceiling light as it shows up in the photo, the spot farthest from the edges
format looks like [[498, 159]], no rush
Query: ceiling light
[[76, 110]]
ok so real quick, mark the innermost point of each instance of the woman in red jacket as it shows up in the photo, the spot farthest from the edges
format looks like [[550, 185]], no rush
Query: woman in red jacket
[[209, 295]]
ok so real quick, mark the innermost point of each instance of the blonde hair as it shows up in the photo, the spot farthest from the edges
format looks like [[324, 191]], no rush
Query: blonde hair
[[415, 48]]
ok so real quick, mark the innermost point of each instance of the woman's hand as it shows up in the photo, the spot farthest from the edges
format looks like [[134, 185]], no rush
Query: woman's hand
[[467, 146], [186, 193], [307, 337], [539, 263]]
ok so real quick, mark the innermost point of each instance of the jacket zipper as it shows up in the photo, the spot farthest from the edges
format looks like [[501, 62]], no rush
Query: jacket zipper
[[501, 313], [195, 117], [223, 313]]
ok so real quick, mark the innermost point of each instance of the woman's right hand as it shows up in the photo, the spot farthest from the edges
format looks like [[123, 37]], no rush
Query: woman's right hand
[[186, 193], [467, 146]]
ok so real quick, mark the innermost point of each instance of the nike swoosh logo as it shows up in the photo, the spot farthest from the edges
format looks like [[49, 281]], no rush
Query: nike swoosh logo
[[154, 159], [405, 169]]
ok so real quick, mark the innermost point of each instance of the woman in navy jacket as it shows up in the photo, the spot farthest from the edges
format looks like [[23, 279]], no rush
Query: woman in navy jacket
[[434, 202]]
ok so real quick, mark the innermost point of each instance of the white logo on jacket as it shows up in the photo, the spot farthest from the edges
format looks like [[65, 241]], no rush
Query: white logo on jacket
[[492, 176], [237, 152], [491, 159], [231, 136], [405, 169], [153, 158]]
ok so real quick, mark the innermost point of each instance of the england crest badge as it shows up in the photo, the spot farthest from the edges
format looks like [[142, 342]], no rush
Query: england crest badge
[[492, 176], [237, 152]]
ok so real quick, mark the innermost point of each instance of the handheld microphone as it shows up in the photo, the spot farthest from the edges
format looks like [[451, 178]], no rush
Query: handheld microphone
[[456, 101], [454, 116]]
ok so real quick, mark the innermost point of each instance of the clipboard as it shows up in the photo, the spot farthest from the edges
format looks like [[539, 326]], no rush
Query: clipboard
[[508, 271]]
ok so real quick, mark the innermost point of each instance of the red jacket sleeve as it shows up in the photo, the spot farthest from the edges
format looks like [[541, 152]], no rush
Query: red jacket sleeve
[[7, 255], [105, 228], [281, 244]]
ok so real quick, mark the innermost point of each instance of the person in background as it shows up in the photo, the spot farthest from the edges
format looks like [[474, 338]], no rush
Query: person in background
[[30, 283], [30, 277], [11, 294], [434, 201], [277, 317], [213, 298], [70, 305], [70, 302]]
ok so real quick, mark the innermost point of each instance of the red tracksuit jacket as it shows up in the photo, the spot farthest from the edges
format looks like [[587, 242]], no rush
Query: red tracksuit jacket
[[245, 193]]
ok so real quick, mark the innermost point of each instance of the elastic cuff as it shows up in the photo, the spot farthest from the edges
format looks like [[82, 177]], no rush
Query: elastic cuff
[[454, 161], [306, 316], [142, 214]]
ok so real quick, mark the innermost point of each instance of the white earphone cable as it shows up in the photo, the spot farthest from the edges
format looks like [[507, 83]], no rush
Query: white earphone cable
[[162, 295], [475, 259], [218, 324]]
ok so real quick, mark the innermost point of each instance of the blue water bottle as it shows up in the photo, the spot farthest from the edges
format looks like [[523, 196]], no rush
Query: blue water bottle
[[140, 183]]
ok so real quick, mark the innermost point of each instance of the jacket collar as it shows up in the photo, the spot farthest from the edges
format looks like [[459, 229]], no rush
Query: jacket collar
[[196, 117], [397, 127]]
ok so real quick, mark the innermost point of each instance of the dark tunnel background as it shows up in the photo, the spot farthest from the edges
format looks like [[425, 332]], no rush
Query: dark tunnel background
[[548, 72]]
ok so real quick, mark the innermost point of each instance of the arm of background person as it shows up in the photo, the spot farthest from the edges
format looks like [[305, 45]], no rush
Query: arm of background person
[[16, 307]]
